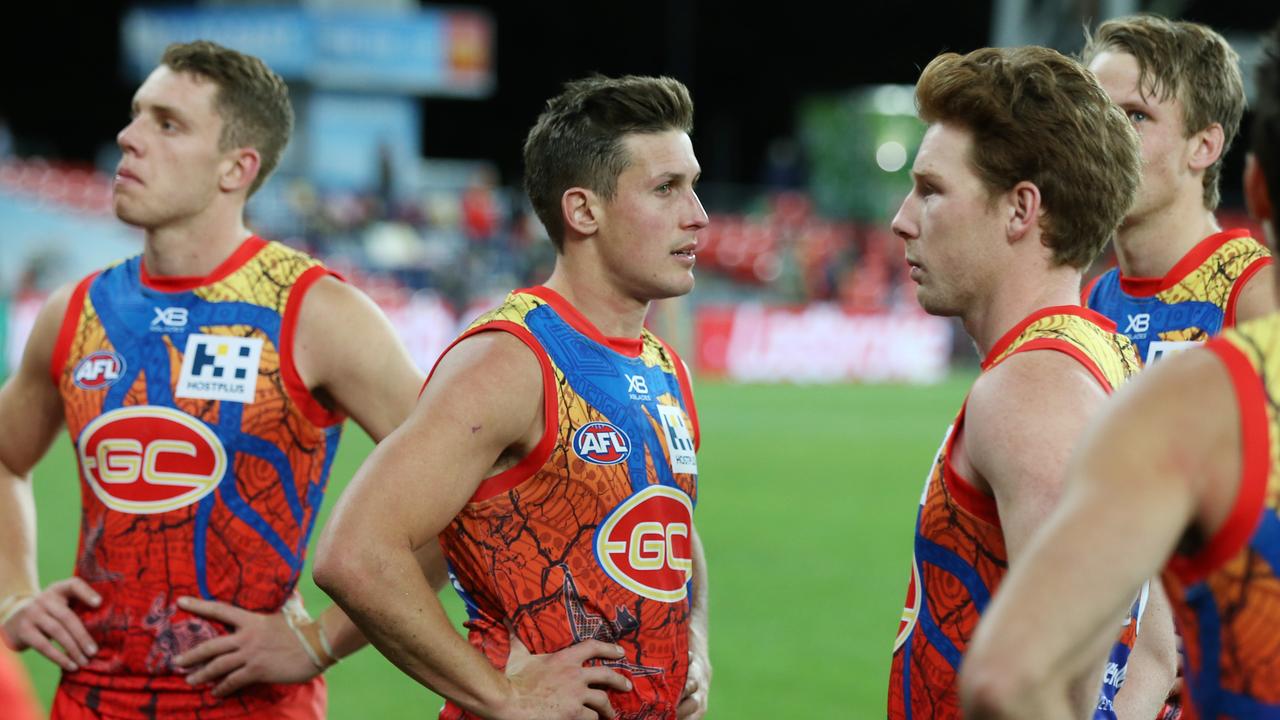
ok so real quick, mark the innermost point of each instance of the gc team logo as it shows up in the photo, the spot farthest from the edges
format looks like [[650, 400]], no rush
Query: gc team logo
[[601, 443], [644, 544], [99, 370], [147, 459]]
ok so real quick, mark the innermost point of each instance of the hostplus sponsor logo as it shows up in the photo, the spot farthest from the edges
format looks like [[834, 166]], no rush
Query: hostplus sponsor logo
[[220, 367]]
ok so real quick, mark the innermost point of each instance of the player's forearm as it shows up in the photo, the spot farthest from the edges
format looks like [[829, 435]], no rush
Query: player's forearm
[[17, 535], [699, 640], [1153, 665], [384, 591]]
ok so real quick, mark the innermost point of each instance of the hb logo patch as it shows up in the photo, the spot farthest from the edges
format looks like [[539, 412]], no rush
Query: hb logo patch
[[220, 367]]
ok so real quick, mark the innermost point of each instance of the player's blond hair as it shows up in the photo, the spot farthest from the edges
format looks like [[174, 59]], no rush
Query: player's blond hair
[[577, 141], [252, 101], [1185, 60], [1039, 116]]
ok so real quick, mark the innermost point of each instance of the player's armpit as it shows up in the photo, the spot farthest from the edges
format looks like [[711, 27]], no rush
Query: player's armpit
[[347, 353]]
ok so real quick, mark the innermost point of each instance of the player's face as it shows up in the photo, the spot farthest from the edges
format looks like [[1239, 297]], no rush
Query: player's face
[[648, 229], [171, 162], [1166, 150], [949, 223]]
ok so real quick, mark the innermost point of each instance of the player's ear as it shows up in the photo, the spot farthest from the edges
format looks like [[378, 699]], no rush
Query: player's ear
[[1256, 196], [1023, 210], [1207, 146], [239, 169], [580, 208]]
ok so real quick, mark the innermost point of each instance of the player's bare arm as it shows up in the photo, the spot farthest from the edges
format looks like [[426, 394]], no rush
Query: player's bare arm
[[31, 414], [481, 412], [693, 701], [1153, 665], [1148, 451], [1258, 296], [347, 354]]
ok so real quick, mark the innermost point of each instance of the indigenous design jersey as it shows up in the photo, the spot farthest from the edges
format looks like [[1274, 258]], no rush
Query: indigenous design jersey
[[1195, 300], [960, 554], [1226, 597], [589, 537], [203, 461]]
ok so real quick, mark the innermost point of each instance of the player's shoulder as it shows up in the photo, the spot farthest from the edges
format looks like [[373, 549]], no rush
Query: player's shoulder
[[1030, 384]]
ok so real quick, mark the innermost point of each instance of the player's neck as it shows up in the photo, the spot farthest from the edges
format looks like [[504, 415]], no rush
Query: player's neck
[[613, 313], [1017, 297], [194, 247], [1150, 246]]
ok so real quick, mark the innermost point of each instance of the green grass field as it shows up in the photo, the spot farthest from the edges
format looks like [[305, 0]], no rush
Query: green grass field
[[807, 499]]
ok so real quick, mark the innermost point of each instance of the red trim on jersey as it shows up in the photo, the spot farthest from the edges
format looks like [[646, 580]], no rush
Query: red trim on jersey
[[631, 347], [529, 464], [1195, 257], [311, 408], [182, 283], [67, 331], [1255, 462], [971, 499], [686, 389], [1229, 319], [1081, 312], [1067, 348], [1089, 286]]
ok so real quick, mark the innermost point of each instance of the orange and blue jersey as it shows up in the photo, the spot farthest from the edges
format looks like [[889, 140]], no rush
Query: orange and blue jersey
[[203, 461], [1195, 300], [1226, 596], [960, 555], [589, 537]]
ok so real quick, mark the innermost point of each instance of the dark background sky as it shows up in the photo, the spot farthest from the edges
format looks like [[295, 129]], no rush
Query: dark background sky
[[63, 95]]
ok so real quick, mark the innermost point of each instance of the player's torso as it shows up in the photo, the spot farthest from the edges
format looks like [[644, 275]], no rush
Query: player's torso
[[591, 538], [202, 460], [1193, 302], [959, 553], [1228, 608]]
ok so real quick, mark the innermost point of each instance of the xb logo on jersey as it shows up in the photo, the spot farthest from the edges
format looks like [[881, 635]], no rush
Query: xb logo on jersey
[[99, 370], [169, 319], [1138, 323], [147, 459], [601, 443], [644, 544]]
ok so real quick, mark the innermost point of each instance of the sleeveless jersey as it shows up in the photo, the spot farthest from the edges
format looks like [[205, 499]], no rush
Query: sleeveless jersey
[[1226, 597], [1193, 301], [203, 462], [960, 554], [589, 536]]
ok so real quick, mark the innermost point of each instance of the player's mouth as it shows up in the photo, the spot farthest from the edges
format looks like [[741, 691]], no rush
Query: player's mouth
[[686, 253], [124, 175], [917, 270]]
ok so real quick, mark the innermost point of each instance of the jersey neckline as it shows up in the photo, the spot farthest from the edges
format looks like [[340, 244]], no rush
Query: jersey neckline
[[630, 347], [1195, 257], [182, 283]]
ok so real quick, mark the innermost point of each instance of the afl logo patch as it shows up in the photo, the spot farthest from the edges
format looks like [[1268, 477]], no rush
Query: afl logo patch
[[601, 443], [99, 370]]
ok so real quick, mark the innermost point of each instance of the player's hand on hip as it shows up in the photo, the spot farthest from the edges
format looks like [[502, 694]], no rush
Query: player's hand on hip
[[261, 648], [46, 618], [558, 686], [693, 702]]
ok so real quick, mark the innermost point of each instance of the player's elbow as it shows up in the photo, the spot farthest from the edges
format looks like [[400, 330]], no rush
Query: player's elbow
[[994, 688], [337, 567]]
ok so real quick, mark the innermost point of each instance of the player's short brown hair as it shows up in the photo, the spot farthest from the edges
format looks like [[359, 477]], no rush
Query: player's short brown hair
[[1039, 116], [252, 101], [1185, 60], [578, 139]]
